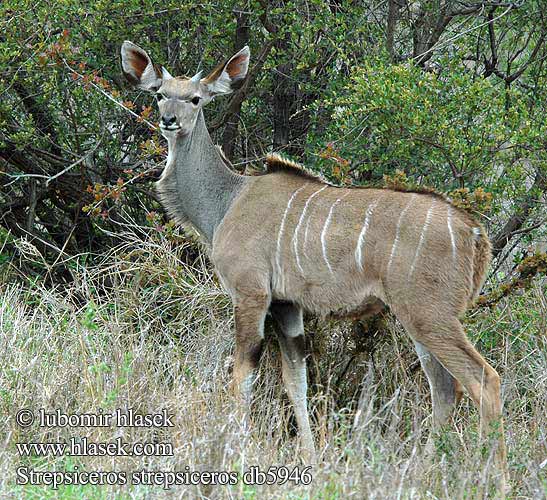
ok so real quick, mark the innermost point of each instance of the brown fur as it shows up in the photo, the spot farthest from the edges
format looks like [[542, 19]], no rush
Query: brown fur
[[482, 253], [482, 259], [288, 241], [215, 74], [139, 62], [232, 67], [136, 61], [278, 163], [342, 244], [421, 256]]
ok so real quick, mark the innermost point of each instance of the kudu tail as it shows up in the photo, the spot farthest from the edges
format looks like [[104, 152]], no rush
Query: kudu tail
[[481, 260]]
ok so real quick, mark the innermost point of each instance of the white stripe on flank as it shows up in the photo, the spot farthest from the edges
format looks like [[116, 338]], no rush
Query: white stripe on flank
[[324, 232], [306, 236], [282, 230], [295, 235], [306, 232], [362, 235], [422, 238], [452, 239], [398, 231]]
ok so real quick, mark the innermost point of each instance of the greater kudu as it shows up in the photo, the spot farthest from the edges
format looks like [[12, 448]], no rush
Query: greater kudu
[[287, 241]]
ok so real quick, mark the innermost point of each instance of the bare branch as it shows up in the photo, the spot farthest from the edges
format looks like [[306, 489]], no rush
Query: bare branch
[[514, 224]]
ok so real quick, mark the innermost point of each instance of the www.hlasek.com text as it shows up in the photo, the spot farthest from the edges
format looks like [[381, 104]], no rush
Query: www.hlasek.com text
[[82, 447]]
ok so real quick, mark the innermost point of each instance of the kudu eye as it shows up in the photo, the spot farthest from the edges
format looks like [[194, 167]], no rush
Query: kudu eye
[[195, 100], [160, 97]]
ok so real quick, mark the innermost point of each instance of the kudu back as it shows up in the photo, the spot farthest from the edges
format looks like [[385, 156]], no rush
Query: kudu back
[[287, 241]]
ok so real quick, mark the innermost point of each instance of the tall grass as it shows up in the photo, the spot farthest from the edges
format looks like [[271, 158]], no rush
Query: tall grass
[[149, 328]]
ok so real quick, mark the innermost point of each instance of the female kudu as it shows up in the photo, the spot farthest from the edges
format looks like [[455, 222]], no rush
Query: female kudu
[[287, 241]]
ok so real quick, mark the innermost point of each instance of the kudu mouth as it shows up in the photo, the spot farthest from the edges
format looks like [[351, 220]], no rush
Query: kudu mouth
[[170, 131]]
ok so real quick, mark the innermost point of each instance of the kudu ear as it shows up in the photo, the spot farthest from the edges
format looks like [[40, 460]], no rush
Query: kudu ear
[[139, 69], [225, 75]]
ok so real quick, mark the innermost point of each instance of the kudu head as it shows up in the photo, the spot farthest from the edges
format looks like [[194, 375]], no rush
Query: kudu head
[[180, 98]]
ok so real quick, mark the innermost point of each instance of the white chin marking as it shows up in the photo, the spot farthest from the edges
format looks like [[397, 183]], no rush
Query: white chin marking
[[170, 132]]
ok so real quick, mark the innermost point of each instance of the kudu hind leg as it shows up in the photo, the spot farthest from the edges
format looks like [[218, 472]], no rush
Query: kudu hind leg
[[446, 340], [446, 391], [289, 321]]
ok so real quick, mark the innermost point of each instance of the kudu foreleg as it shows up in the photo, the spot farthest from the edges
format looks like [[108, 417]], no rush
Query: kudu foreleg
[[250, 313], [289, 321]]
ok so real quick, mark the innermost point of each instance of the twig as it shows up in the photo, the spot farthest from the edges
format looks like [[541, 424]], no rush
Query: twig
[[62, 249], [49, 178], [77, 162], [527, 229], [459, 35], [106, 94], [32, 205]]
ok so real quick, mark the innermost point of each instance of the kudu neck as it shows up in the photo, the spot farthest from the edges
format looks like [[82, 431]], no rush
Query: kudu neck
[[203, 186]]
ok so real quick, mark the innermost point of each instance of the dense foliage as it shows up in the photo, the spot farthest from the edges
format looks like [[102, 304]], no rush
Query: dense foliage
[[452, 94], [447, 95]]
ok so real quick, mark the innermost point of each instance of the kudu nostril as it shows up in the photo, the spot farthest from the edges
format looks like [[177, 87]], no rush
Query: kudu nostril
[[168, 120]]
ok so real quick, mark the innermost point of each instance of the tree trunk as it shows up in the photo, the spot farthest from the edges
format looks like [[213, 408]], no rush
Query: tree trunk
[[392, 17], [283, 99], [229, 136]]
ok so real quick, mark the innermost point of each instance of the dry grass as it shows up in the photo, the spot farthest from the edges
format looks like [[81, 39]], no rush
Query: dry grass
[[148, 330]]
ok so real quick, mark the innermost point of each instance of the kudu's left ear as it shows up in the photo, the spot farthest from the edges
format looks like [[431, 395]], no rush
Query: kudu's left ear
[[225, 75], [139, 69]]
